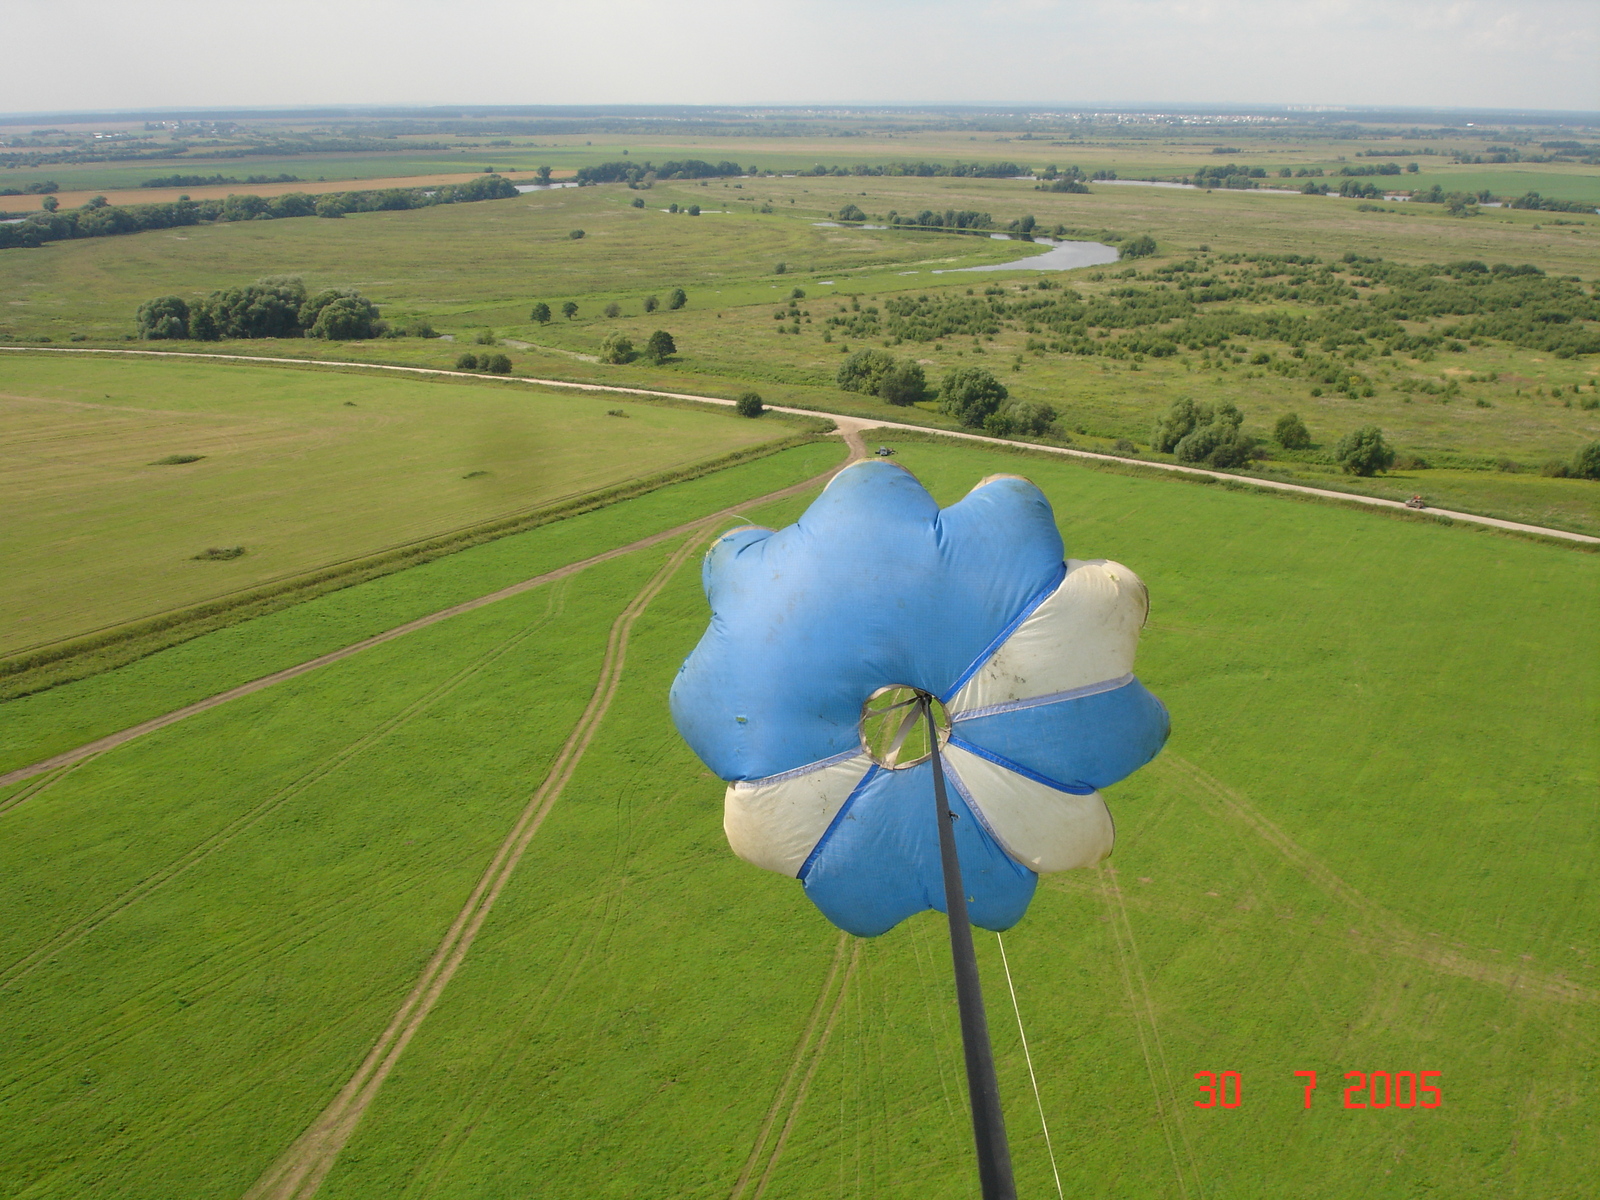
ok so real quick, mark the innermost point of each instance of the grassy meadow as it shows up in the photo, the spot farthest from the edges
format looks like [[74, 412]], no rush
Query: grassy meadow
[[474, 267], [301, 468], [205, 930]]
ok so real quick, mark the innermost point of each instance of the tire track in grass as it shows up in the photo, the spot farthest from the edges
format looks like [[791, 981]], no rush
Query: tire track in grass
[[300, 1170], [1393, 935], [808, 1054], [42, 783], [113, 740], [223, 837], [1144, 1019]]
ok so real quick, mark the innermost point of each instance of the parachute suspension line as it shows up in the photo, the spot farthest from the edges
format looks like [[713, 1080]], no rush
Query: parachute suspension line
[[1028, 1055], [983, 1088]]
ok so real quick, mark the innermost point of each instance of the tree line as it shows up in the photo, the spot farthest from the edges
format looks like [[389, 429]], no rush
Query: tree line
[[972, 395], [635, 173], [274, 307], [100, 219], [172, 181]]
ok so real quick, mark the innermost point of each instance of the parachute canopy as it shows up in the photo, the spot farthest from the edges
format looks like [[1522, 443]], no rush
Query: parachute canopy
[[820, 630]]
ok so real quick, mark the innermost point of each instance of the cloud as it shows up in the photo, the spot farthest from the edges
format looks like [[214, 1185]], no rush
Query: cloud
[[1479, 53]]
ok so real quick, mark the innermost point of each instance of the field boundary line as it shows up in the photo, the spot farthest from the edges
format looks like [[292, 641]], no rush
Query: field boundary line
[[873, 423], [113, 740], [1397, 937], [197, 854], [797, 1060], [300, 1170], [1144, 1016]]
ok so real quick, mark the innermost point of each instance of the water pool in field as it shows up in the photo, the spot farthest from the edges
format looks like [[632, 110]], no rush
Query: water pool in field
[[1062, 256]]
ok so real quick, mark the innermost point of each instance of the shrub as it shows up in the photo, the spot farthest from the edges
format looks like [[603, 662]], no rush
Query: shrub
[[1124, 446], [496, 364], [1586, 462], [638, 202], [1142, 246], [540, 313], [1217, 439], [569, 309], [779, 268], [748, 404], [970, 394], [485, 337], [575, 234], [467, 362], [1291, 433], [164, 317], [651, 304], [1556, 468], [340, 316], [1176, 424], [617, 348], [613, 309], [677, 299], [1023, 418], [177, 460], [1364, 452], [864, 370], [660, 347], [694, 210], [904, 383], [219, 554], [615, 412], [798, 294]]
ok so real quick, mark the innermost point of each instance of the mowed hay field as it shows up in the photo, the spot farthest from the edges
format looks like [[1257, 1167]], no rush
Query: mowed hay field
[[207, 930], [301, 468]]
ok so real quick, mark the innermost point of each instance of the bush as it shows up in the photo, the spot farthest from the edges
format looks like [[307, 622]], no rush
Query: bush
[[1586, 462], [748, 404], [1142, 246], [1363, 452], [569, 309], [1176, 424], [484, 337], [903, 384], [1124, 446], [1291, 433], [780, 268], [575, 234], [1556, 468], [617, 348], [163, 318], [1024, 418], [467, 362], [613, 309], [638, 202], [340, 317], [496, 364], [971, 394], [651, 304], [677, 299], [660, 347], [1217, 439], [540, 313], [864, 371]]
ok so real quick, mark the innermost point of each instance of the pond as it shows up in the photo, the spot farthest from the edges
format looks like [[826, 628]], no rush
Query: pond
[[1062, 256]]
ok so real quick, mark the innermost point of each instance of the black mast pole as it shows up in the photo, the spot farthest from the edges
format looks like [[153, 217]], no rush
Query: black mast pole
[[988, 1122]]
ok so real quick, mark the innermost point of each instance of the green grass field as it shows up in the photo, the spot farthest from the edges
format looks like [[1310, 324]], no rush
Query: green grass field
[[206, 930], [301, 468]]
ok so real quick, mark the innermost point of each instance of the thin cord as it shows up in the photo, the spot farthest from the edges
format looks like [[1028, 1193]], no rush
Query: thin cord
[[1027, 1054]]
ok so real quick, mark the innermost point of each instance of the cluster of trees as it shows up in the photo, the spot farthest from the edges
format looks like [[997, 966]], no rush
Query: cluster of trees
[[1203, 434], [1063, 184], [494, 364], [275, 307], [1229, 175], [1546, 204], [950, 218], [618, 348], [99, 219], [971, 395], [1387, 168], [1356, 309], [636, 173], [42, 187], [172, 181], [923, 170]]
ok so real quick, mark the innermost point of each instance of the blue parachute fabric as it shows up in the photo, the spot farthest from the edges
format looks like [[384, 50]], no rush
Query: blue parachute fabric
[[1094, 740], [874, 586], [879, 862]]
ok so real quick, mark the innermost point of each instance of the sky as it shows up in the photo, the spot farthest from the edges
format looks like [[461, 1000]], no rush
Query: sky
[[98, 54]]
